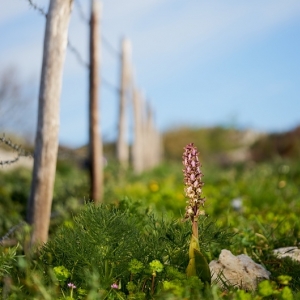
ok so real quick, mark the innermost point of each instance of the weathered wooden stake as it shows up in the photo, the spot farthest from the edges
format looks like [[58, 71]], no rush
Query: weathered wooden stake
[[137, 147], [158, 152], [95, 141], [122, 144], [152, 143], [46, 145]]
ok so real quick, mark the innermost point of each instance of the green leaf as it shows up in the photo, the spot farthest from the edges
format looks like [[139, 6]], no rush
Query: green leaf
[[286, 294], [265, 288], [202, 267], [198, 265], [61, 273]]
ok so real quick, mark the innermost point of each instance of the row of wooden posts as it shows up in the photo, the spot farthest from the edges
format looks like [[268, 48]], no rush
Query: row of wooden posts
[[146, 146]]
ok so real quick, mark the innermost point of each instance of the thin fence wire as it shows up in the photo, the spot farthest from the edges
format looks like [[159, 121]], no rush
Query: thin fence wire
[[71, 47], [16, 148], [112, 50], [11, 231], [81, 61], [109, 85], [37, 8], [78, 56], [84, 18]]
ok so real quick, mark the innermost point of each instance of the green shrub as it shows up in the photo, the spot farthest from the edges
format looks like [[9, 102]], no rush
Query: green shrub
[[134, 252]]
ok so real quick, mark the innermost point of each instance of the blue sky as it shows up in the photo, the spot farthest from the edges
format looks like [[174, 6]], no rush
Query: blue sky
[[199, 63]]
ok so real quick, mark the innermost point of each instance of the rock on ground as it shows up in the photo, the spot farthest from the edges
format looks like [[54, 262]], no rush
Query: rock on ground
[[239, 271], [292, 252]]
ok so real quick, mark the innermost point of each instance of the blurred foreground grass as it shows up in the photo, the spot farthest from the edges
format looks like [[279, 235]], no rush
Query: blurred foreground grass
[[259, 202]]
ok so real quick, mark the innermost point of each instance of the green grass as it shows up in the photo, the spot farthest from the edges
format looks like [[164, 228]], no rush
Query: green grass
[[268, 219]]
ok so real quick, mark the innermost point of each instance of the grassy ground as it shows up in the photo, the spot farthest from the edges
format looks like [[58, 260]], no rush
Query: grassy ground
[[253, 209]]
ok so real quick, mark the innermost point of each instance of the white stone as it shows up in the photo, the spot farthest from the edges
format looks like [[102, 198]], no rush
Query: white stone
[[239, 271], [292, 252], [237, 204]]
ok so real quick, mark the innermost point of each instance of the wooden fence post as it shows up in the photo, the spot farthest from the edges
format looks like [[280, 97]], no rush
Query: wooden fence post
[[122, 144], [158, 150], [95, 141], [46, 146], [137, 146], [149, 134], [152, 143]]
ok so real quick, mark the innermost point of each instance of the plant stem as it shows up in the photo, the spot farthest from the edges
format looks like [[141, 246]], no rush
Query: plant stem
[[195, 227], [144, 284], [152, 286]]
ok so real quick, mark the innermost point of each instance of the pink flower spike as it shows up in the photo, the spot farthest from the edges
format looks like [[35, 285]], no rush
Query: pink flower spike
[[193, 181], [114, 286], [71, 285]]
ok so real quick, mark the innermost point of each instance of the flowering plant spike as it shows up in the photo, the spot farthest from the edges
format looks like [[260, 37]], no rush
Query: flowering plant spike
[[198, 265], [193, 182]]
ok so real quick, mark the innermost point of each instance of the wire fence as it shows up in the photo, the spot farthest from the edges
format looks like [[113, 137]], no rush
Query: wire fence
[[111, 49], [80, 60], [37, 8], [11, 231], [84, 64], [84, 18], [16, 148]]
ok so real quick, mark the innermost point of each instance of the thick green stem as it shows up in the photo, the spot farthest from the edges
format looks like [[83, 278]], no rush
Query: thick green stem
[[195, 228]]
